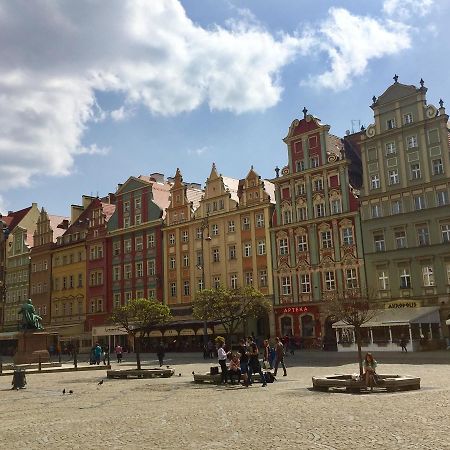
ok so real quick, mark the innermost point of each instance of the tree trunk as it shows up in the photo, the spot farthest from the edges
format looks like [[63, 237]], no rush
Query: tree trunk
[[138, 351], [358, 343]]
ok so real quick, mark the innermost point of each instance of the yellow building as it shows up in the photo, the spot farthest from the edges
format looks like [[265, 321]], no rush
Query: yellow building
[[218, 238]]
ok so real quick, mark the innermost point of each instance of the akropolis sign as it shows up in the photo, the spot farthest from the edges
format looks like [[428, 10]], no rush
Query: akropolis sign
[[403, 304]]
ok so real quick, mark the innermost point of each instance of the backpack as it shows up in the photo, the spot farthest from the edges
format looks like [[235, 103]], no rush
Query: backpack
[[269, 377]]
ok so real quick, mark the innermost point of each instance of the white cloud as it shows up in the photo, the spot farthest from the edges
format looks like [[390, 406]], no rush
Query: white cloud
[[93, 150], [198, 151], [406, 9], [351, 41], [54, 57]]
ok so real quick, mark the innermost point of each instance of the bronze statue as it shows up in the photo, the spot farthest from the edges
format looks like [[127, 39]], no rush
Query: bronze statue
[[30, 320]]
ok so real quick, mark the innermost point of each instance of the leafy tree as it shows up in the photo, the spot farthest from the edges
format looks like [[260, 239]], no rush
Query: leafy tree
[[138, 317], [230, 307], [354, 310]]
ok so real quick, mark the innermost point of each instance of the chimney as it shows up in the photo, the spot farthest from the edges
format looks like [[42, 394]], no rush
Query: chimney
[[75, 212], [158, 177], [86, 200]]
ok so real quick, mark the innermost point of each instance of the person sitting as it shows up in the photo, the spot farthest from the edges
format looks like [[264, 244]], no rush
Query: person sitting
[[234, 369], [370, 366]]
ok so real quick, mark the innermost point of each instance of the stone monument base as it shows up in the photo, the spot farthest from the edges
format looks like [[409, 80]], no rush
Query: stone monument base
[[32, 347]]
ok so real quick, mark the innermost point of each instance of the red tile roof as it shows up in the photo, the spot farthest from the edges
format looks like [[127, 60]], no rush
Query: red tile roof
[[15, 217]]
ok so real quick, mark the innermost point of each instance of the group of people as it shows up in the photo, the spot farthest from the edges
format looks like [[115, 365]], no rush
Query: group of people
[[245, 361], [99, 353]]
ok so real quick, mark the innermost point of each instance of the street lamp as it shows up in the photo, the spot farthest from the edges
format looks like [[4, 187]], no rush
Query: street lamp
[[4, 233], [204, 226]]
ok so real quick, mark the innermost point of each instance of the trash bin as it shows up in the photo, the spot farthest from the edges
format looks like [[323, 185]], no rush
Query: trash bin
[[19, 380]]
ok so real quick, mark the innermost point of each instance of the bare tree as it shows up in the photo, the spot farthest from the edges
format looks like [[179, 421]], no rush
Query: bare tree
[[138, 317], [230, 307], [354, 309]]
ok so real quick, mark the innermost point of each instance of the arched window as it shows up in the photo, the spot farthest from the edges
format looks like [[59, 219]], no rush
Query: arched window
[[307, 326], [286, 325]]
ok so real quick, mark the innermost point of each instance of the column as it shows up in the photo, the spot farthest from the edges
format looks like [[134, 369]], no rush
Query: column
[[410, 337], [390, 334], [371, 335]]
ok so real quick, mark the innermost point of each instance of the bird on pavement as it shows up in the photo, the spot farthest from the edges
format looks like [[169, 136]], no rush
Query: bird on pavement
[[179, 374], [71, 392], [193, 373], [100, 382], [64, 391], [168, 367]]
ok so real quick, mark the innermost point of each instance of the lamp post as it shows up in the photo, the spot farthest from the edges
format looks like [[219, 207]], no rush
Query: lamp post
[[4, 233], [204, 226]]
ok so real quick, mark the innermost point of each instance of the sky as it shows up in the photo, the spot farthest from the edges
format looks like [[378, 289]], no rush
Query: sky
[[93, 92]]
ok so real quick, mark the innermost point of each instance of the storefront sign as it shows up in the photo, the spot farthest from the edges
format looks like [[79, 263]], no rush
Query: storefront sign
[[403, 304], [292, 310], [107, 331]]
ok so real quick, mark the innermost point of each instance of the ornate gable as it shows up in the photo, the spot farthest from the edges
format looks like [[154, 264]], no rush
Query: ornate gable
[[396, 91]]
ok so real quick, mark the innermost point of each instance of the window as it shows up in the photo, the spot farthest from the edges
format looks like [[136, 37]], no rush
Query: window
[[330, 282], [320, 210], [185, 236], [393, 177], [318, 184], [326, 240], [259, 219], [299, 166], [423, 235], [411, 141], [405, 278], [419, 202], [335, 206], [427, 275], [137, 203], [302, 243], [383, 280], [376, 210], [301, 189], [172, 239], [374, 181], [215, 229], [127, 245], [151, 267], [150, 240], [407, 119], [139, 269], [172, 262], [438, 167], [173, 289], [137, 219], [400, 238], [232, 252], [186, 288], [286, 285], [198, 233], [314, 161], [116, 248], [263, 278], [126, 207], [139, 243], [248, 278], [396, 206], [390, 124], [127, 271], [347, 236], [287, 216], [116, 273], [185, 260], [71, 281], [261, 247], [283, 246], [126, 222], [215, 255], [302, 213], [305, 283], [441, 198], [415, 171], [246, 223], [378, 240], [247, 249], [139, 294], [128, 297], [233, 281], [390, 148], [216, 282], [445, 232], [80, 280], [351, 278], [199, 260]]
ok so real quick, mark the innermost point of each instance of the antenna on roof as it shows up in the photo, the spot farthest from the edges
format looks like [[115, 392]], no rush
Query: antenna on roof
[[356, 125]]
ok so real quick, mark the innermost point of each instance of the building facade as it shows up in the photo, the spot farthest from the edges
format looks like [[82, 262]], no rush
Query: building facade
[[316, 234], [405, 206]]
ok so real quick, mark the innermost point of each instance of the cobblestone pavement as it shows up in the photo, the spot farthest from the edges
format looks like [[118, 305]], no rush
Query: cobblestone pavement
[[175, 413]]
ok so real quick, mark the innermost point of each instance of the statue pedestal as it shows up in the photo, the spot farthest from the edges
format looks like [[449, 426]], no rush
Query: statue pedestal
[[32, 347]]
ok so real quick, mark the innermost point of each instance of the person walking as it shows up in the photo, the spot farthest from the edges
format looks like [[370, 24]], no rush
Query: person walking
[[119, 353], [279, 357], [222, 357], [253, 364], [97, 353], [160, 353], [403, 343]]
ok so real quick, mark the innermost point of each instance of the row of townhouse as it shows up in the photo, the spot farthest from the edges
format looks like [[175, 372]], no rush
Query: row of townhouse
[[368, 214]]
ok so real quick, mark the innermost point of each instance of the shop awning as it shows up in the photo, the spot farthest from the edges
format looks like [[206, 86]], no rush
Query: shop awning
[[201, 333], [171, 332], [155, 333], [400, 316], [447, 322], [187, 332]]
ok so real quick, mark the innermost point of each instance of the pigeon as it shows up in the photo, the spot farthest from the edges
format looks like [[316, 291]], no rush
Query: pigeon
[[168, 367], [64, 391], [100, 382], [71, 392], [193, 373], [179, 374]]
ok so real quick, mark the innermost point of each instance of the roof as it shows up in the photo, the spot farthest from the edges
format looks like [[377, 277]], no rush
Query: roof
[[15, 217], [161, 192], [399, 316], [54, 222], [269, 187], [108, 210], [232, 184], [194, 196]]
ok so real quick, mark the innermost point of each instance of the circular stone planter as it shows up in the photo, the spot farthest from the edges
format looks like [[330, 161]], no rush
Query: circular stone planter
[[142, 373], [389, 383]]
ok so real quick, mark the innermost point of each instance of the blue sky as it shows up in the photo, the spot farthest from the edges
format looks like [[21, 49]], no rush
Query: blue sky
[[106, 90]]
